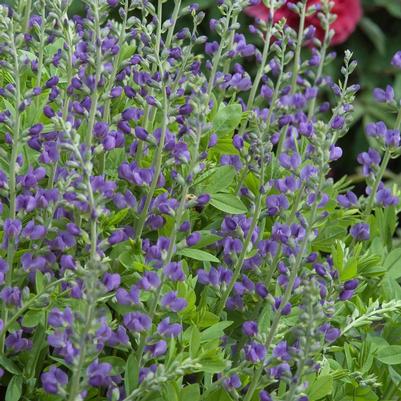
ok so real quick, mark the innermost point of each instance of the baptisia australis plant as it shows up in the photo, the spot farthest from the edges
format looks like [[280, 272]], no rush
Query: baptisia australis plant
[[167, 219]]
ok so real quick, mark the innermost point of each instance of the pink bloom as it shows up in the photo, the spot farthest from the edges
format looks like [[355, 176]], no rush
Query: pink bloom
[[348, 12]]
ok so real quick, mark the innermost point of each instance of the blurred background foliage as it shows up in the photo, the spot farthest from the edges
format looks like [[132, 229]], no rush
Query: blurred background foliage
[[376, 39]]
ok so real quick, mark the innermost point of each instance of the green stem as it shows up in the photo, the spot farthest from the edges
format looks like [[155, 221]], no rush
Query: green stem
[[238, 265], [380, 174], [298, 49], [217, 56], [148, 120], [173, 236], [174, 17], [30, 303], [12, 185], [259, 74], [157, 168], [27, 14], [98, 66], [286, 297], [76, 378], [41, 48], [116, 66]]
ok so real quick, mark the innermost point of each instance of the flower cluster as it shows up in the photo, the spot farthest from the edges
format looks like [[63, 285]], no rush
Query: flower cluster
[[167, 218]]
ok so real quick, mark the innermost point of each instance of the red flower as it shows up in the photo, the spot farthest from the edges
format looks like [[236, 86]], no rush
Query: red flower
[[348, 12]]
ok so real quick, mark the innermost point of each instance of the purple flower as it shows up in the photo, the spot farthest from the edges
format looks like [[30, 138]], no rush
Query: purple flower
[[232, 382], [276, 203], [392, 138], [369, 160], [384, 96], [111, 281], [280, 370], [128, 298], [168, 330], [255, 352], [193, 239], [338, 122], [53, 81], [360, 232], [150, 280], [99, 374], [264, 396], [137, 322], [396, 60], [53, 379], [11, 296], [211, 47], [384, 197], [113, 3], [280, 351], [3, 270], [17, 343], [347, 200], [57, 318], [250, 328], [12, 228], [157, 349], [172, 302], [174, 271]]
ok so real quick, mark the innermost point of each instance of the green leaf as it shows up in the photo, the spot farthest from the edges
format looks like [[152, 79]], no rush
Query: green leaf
[[227, 119], [33, 317], [14, 389], [9, 365], [350, 269], [39, 282], [390, 289], [220, 179], [392, 264], [390, 355], [374, 33], [228, 203], [197, 254], [194, 342], [213, 362], [215, 332], [131, 373], [321, 387], [190, 393]]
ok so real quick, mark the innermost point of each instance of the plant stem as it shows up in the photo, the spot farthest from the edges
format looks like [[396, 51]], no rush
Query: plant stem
[[170, 251], [116, 66], [27, 14], [217, 56], [298, 49], [157, 168], [380, 174], [286, 297], [238, 265], [12, 185], [147, 115], [98, 66]]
